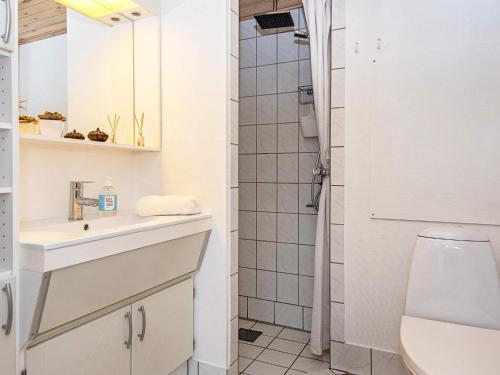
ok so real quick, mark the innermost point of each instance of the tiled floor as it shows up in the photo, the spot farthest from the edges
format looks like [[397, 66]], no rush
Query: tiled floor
[[280, 351]]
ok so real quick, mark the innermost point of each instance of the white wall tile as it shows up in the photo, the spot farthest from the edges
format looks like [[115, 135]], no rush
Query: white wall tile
[[337, 202], [338, 88], [247, 282], [248, 111], [266, 168], [243, 363], [338, 14], [288, 288], [247, 253], [233, 370], [234, 252], [337, 243], [234, 296], [309, 365], [288, 225], [266, 285], [276, 358], [234, 166], [267, 138], [305, 78], [288, 168], [338, 126], [338, 165], [351, 358], [288, 137], [248, 139], [247, 169], [288, 107], [235, 6], [305, 291], [181, 370], [247, 224], [307, 229], [337, 311], [309, 144], [206, 369], [288, 77], [289, 315], [267, 109], [266, 226], [295, 13], [288, 49], [385, 363], [307, 162], [307, 318], [234, 33], [287, 198], [248, 29], [247, 195], [233, 117], [242, 306], [266, 256], [248, 82], [338, 49], [192, 367], [304, 48], [234, 209], [266, 50], [267, 80], [248, 53], [261, 310], [306, 260], [266, 197], [337, 287], [257, 368], [287, 258]]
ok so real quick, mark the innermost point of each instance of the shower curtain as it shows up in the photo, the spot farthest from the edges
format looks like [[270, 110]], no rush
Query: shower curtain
[[318, 16]]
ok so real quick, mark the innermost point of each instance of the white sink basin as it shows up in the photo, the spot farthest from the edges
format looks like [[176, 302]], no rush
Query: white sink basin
[[63, 243]]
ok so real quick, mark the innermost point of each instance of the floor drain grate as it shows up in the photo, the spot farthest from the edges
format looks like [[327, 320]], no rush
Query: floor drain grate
[[248, 335]]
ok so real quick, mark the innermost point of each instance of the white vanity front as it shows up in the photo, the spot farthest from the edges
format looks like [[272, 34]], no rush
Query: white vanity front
[[110, 292]]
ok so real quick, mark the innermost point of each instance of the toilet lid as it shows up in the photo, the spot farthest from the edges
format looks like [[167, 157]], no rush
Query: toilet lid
[[429, 347]]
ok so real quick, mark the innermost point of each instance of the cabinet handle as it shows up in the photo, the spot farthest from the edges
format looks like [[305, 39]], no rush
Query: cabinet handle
[[128, 316], [141, 335], [6, 34], [10, 307]]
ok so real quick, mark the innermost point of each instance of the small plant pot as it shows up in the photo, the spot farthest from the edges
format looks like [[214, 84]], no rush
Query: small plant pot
[[51, 128]]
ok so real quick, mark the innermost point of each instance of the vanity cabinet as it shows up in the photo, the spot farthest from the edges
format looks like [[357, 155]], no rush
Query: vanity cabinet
[[8, 327], [151, 336], [8, 13]]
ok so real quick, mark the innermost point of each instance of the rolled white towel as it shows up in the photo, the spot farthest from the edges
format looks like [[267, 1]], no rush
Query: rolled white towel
[[163, 205]]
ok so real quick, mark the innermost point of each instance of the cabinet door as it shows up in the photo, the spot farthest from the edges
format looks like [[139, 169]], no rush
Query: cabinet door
[[8, 327], [8, 15], [96, 348], [163, 330]]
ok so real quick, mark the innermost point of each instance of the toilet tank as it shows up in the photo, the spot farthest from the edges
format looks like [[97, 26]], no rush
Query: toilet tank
[[454, 278]]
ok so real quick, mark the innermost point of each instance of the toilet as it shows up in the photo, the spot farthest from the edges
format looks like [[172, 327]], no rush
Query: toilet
[[451, 324]]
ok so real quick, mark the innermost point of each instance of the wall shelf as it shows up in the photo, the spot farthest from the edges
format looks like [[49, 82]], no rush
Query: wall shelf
[[5, 126], [5, 190], [73, 143]]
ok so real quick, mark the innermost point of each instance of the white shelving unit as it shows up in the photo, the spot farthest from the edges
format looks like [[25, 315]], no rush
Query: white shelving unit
[[75, 143]]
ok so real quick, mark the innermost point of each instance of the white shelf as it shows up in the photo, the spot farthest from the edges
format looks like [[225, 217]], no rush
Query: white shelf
[[5, 126], [5, 190], [74, 143]]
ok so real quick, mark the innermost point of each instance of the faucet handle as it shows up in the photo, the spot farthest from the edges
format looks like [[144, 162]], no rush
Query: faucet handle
[[79, 184]]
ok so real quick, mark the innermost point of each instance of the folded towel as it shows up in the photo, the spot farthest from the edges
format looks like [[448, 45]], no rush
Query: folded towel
[[163, 205]]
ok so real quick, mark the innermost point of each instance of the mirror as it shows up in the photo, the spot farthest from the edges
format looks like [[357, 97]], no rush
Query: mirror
[[92, 74]]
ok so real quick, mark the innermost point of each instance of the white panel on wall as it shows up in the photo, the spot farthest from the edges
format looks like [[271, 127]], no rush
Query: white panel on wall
[[435, 112]]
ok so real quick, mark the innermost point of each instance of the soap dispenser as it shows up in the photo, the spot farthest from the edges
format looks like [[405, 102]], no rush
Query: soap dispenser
[[108, 201]]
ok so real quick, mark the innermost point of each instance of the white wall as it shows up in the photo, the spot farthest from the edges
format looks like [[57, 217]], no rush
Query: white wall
[[195, 148], [377, 252], [42, 76]]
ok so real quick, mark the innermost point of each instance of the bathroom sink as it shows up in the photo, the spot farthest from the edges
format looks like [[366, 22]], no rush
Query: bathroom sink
[[51, 244]]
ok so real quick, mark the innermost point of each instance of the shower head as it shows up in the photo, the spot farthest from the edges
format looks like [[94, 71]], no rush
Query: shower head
[[274, 20], [301, 35]]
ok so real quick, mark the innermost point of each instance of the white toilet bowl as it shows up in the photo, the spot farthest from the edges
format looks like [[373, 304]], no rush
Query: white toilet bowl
[[452, 320]]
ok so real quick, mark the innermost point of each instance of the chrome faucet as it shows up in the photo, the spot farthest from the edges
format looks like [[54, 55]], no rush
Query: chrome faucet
[[77, 200]]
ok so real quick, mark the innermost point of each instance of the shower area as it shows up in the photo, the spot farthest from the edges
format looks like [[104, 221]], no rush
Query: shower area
[[278, 191]]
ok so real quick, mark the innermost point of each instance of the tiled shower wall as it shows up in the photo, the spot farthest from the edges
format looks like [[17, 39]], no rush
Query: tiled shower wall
[[276, 229]]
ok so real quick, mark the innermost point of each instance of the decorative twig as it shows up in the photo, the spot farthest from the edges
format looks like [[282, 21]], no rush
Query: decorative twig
[[113, 125], [140, 126]]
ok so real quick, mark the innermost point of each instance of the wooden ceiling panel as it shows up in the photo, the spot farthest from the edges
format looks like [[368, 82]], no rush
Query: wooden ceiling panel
[[40, 19], [249, 8]]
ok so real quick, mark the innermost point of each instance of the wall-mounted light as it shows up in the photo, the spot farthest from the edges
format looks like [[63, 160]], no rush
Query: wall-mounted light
[[108, 11]]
